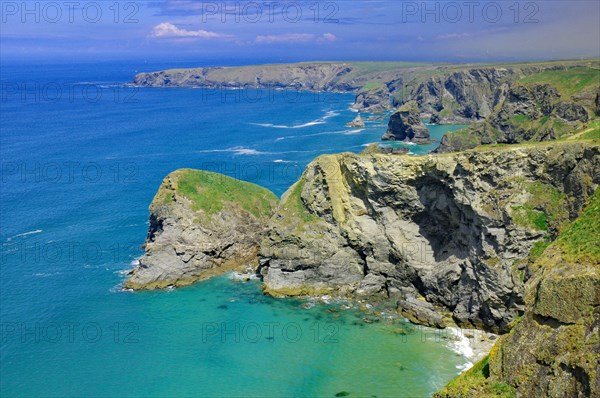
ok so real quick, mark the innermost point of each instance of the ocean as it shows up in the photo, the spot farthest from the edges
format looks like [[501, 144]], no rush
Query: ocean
[[83, 154]]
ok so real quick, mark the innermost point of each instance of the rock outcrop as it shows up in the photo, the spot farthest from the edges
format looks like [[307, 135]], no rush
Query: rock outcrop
[[357, 122], [405, 125], [201, 224], [373, 98], [528, 112], [447, 233], [553, 350]]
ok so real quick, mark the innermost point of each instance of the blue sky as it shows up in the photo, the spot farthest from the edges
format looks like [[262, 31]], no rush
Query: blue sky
[[272, 31]]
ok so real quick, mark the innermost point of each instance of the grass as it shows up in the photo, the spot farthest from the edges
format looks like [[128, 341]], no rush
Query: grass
[[212, 192], [294, 205], [567, 82], [371, 86], [580, 241], [527, 216], [475, 382]]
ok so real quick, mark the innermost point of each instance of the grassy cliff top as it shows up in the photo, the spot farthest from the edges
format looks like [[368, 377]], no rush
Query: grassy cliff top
[[211, 192], [567, 82], [580, 242]]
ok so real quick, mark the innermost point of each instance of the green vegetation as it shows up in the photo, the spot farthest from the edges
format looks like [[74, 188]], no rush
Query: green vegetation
[[475, 383], [545, 210], [527, 216], [462, 139], [294, 205], [567, 82], [539, 247], [211, 192], [580, 242], [371, 86]]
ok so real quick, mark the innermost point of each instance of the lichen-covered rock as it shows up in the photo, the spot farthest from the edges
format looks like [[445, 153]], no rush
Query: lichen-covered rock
[[450, 230], [406, 125], [201, 224]]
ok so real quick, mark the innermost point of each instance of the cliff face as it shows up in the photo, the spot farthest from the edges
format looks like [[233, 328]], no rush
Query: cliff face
[[321, 76], [553, 350], [540, 107], [201, 224], [405, 125], [450, 231], [463, 96]]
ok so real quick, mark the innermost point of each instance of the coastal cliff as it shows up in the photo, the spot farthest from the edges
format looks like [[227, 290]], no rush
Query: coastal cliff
[[553, 350], [540, 107], [201, 224], [436, 235], [448, 94]]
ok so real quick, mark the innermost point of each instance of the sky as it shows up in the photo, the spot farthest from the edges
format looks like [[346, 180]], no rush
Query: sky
[[240, 32]]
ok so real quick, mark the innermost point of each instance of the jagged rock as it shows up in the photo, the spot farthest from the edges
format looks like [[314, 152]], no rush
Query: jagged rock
[[597, 102], [405, 125], [201, 224], [357, 122], [450, 229]]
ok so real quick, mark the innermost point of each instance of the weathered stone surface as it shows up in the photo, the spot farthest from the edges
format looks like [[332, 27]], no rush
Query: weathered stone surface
[[449, 229], [406, 125], [201, 224]]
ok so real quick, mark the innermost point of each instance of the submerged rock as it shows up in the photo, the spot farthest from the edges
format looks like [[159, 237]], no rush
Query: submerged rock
[[405, 125], [201, 224]]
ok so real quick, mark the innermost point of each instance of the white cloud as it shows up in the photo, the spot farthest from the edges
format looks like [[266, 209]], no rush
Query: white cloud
[[167, 29], [295, 38]]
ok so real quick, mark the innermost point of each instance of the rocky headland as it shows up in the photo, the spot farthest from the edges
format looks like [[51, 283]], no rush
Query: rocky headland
[[201, 224]]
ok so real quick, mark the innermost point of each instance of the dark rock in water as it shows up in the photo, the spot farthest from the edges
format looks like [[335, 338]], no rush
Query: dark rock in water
[[405, 125], [342, 394], [222, 307], [357, 122]]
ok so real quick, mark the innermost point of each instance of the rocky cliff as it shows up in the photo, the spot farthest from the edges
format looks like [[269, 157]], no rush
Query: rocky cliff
[[201, 224], [553, 350], [405, 125], [540, 107], [437, 234]]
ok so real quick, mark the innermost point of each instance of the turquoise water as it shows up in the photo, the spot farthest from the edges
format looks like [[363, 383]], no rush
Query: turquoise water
[[82, 156]]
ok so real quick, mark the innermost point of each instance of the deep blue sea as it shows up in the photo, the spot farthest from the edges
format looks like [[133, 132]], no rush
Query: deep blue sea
[[82, 155]]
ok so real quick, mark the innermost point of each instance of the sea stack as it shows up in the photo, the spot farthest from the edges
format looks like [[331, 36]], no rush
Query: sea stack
[[405, 125], [357, 122]]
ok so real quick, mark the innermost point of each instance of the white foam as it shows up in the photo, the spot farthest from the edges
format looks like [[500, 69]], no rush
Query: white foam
[[37, 231], [461, 345]]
